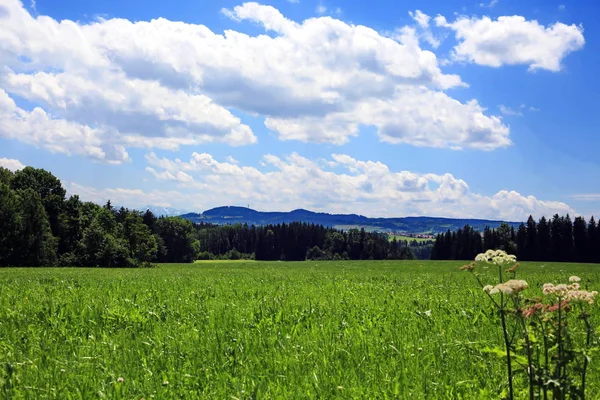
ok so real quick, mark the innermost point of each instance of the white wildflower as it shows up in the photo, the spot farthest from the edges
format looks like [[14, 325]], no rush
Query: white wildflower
[[498, 257], [517, 285], [498, 260], [561, 289], [504, 288], [481, 258], [581, 295], [548, 288], [574, 278]]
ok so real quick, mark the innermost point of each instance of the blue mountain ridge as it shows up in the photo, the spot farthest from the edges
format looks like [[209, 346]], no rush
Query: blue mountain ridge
[[413, 225]]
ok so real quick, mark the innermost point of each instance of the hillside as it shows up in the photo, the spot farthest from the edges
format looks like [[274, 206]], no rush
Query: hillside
[[413, 225]]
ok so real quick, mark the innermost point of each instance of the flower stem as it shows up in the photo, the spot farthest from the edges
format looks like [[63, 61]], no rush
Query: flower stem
[[530, 367], [546, 355], [588, 340], [508, 360], [560, 391]]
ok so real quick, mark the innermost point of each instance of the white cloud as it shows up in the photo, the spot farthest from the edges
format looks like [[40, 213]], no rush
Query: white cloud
[[165, 84], [512, 40], [505, 110], [231, 160], [425, 32], [516, 111], [131, 107], [179, 176], [132, 198], [561, 7], [421, 18], [586, 197], [41, 129], [366, 187], [491, 4], [415, 116], [321, 9], [11, 164]]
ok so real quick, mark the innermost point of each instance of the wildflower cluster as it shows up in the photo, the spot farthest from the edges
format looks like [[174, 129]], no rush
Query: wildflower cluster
[[571, 292], [497, 257], [552, 338], [511, 287]]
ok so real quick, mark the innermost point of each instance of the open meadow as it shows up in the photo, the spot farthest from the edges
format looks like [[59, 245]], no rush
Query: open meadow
[[227, 330]]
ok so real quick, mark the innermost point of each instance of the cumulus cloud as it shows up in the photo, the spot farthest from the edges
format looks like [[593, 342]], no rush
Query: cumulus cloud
[[513, 40], [131, 107], [133, 198], [41, 129], [11, 164], [341, 184], [166, 84]]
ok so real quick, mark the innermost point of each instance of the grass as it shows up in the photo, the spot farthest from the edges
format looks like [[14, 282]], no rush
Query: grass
[[401, 329]]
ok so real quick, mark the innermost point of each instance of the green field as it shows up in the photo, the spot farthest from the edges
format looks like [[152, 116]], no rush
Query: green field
[[401, 329]]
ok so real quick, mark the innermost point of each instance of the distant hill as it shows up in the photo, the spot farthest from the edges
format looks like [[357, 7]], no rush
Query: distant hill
[[413, 225]]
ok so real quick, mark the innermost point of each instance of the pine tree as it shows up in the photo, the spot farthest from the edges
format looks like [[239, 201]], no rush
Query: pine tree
[[531, 251], [556, 233], [593, 232], [544, 241], [488, 239], [593, 250], [522, 249], [580, 240], [567, 246]]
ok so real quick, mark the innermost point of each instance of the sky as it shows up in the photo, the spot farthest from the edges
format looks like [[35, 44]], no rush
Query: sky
[[453, 108]]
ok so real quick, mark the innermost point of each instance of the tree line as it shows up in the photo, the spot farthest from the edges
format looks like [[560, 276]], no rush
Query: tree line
[[298, 241], [555, 239], [40, 226]]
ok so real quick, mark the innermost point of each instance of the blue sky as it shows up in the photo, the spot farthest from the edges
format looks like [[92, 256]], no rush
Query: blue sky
[[441, 108]]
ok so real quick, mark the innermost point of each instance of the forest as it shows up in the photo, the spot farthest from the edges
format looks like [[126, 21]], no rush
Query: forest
[[556, 239], [40, 226]]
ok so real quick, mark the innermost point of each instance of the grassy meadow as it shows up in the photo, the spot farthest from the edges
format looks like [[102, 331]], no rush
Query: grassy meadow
[[242, 330]]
